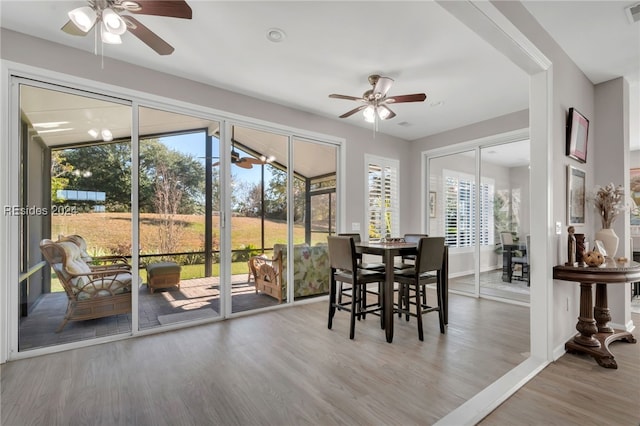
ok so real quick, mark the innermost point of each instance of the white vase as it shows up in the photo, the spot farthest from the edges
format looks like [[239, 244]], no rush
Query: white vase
[[609, 239]]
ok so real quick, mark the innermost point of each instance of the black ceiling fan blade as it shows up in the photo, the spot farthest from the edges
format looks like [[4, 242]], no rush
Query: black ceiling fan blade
[[417, 97], [71, 28], [349, 98], [353, 111], [147, 36], [170, 8]]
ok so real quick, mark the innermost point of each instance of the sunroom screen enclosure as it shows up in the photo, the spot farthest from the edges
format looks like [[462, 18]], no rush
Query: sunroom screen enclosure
[[80, 165]]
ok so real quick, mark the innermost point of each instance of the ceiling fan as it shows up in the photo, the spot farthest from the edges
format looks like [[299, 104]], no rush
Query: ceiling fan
[[375, 100], [244, 162], [112, 23]]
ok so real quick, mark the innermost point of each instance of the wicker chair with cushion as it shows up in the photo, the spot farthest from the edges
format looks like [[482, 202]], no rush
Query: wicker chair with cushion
[[311, 272], [96, 262], [91, 293]]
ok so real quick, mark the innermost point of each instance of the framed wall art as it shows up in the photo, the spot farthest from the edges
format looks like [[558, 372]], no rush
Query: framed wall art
[[634, 183], [576, 196], [432, 204], [577, 135]]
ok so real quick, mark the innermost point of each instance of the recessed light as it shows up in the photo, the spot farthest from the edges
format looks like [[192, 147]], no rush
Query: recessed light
[[436, 104], [276, 35]]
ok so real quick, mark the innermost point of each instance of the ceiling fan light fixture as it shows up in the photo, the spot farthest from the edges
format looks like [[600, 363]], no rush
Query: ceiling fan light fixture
[[383, 112], [369, 114], [83, 17], [132, 6], [113, 22], [108, 37], [93, 133], [106, 134]]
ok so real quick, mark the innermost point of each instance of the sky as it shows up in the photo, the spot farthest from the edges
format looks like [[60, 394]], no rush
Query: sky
[[194, 145]]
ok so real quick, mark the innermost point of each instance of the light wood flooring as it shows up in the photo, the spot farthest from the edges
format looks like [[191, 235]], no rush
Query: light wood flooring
[[285, 368]]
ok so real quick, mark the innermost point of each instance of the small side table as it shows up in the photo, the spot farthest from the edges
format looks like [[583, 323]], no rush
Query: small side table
[[594, 334]]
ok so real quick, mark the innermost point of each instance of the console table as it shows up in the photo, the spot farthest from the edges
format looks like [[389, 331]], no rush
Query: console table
[[594, 333]]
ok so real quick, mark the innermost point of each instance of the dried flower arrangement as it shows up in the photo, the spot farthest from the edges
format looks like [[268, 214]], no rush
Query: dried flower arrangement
[[609, 202]]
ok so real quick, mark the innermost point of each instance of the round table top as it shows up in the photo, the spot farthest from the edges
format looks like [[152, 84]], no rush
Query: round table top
[[612, 271]]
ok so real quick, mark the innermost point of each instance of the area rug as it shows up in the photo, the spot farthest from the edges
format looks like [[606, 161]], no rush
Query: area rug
[[196, 314]]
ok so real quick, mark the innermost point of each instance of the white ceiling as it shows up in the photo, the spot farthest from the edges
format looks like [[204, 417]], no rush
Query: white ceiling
[[331, 47]]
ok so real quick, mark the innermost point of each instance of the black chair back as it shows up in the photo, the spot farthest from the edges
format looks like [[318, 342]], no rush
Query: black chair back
[[430, 254], [342, 253]]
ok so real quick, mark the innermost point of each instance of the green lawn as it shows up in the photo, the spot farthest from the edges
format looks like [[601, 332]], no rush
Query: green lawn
[[188, 272], [110, 233]]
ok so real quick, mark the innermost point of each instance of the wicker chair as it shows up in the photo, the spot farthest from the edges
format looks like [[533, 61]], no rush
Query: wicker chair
[[96, 262], [91, 293]]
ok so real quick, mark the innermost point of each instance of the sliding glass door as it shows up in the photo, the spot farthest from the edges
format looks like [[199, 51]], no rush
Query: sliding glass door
[[452, 214], [179, 219], [479, 201], [259, 225], [504, 208], [130, 217], [74, 208]]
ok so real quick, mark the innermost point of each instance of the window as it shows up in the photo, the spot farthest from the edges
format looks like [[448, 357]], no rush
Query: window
[[460, 206], [383, 213]]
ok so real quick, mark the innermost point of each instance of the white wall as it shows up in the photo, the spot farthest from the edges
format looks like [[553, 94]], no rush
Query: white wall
[[611, 140], [571, 88]]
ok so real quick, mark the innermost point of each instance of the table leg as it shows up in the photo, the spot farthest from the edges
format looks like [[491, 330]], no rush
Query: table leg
[[586, 323], [595, 336], [388, 295], [601, 311]]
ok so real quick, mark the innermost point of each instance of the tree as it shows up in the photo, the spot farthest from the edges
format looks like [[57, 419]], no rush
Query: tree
[[168, 195], [59, 169], [189, 170], [110, 168]]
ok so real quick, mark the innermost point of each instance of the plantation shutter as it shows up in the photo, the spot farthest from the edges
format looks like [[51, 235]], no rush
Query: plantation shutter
[[460, 210], [383, 201]]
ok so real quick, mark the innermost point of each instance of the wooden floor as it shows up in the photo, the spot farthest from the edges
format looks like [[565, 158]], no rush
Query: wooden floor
[[575, 390], [285, 368]]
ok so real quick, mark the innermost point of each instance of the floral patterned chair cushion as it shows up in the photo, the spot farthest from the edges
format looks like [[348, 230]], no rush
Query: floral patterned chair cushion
[[311, 269]]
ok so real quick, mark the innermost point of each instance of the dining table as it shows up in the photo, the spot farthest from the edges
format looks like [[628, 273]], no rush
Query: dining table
[[389, 251]]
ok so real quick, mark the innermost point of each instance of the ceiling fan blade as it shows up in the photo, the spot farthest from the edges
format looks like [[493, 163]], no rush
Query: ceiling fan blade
[[417, 97], [244, 164], [217, 163], [170, 8], [382, 86], [147, 36], [71, 28], [389, 115], [253, 160], [353, 111], [349, 98]]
